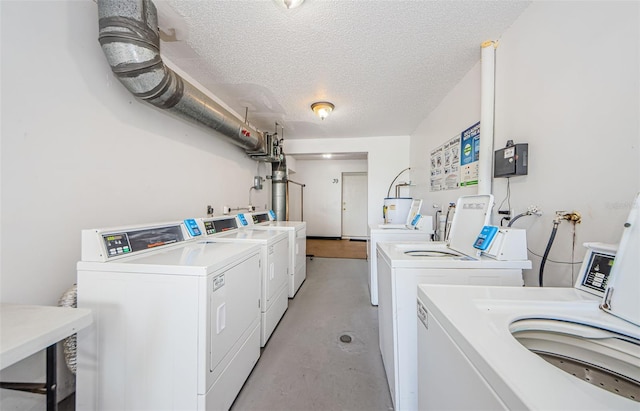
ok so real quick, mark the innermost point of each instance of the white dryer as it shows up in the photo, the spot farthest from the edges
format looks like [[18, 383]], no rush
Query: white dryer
[[402, 266], [176, 319], [537, 348], [274, 249], [297, 233]]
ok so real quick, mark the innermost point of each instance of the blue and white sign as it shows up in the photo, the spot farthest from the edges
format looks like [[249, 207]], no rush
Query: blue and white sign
[[470, 155]]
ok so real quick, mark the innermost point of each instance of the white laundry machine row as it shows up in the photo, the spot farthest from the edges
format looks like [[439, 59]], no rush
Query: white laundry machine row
[[176, 319], [297, 233], [536, 348], [402, 266], [398, 277], [274, 250], [378, 235]]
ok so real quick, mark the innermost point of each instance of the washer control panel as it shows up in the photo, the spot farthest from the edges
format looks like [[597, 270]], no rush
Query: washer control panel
[[125, 242], [260, 217], [218, 225], [596, 268]]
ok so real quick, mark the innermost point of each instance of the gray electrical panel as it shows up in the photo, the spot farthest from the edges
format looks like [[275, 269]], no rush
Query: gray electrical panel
[[511, 161]]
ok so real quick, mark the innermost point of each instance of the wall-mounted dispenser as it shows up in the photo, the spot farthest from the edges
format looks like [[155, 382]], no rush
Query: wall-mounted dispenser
[[511, 161]]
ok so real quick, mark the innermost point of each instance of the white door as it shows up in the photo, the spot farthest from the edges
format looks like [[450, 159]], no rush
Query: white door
[[354, 205]]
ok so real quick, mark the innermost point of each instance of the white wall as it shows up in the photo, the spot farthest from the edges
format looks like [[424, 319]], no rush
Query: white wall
[[386, 157], [323, 193], [78, 151], [459, 110], [567, 83]]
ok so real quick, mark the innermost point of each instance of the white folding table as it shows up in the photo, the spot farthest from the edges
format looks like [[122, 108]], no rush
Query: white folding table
[[27, 329]]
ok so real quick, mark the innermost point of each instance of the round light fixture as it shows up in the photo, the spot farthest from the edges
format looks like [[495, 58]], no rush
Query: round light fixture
[[322, 108], [290, 4]]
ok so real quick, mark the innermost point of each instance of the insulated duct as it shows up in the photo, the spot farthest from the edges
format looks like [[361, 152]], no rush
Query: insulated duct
[[130, 40], [129, 36], [279, 189]]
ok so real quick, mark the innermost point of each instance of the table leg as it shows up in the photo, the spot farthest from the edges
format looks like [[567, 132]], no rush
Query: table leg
[[51, 384]]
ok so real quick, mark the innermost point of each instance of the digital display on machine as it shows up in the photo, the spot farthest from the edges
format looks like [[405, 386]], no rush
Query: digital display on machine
[[132, 241], [209, 228], [260, 218], [598, 271], [117, 244], [218, 226]]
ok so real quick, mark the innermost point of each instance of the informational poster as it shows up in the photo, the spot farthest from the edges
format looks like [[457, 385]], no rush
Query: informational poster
[[445, 166], [437, 171], [470, 155]]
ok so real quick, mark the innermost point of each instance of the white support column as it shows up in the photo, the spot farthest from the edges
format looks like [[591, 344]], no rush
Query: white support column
[[487, 108]]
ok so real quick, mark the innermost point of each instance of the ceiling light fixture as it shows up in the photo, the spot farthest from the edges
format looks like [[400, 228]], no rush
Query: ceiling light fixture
[[322, 109], [291, 4]]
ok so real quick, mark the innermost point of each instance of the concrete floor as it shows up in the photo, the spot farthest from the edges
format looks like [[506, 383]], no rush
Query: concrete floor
[[305, 366]]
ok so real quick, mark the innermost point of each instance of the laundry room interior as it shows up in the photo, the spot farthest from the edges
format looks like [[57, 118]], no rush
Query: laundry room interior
[[482, 155]]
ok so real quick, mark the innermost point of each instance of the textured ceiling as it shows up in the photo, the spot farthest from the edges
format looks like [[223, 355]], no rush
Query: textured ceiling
[[384, 64]]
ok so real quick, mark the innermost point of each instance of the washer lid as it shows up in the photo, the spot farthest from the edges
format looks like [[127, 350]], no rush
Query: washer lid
[[621, 297], [472, 213]]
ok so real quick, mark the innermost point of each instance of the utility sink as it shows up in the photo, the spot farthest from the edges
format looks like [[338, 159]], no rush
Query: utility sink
[[603, 358]]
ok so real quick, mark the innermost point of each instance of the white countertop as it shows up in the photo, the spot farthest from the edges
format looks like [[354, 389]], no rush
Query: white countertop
[[27, 329], [478, 319]]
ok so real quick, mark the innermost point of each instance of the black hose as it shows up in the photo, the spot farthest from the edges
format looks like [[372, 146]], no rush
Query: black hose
[[546, 251]]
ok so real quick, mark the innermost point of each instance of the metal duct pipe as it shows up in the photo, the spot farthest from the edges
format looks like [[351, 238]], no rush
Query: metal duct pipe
[[130, 40], [279, 189]]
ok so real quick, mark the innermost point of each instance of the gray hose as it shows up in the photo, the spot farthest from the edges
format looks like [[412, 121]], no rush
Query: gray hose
[[513, 220]]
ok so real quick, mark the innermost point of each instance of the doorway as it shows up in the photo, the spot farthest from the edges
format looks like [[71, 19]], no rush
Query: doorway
[[354, 205]]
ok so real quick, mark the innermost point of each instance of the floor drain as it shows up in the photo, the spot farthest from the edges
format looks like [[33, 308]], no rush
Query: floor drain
[[345, 338]]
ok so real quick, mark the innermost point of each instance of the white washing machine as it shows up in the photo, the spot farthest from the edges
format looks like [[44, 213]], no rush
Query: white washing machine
[[402, 266], [176, 319], [297, 233], [535, 348], [274, 249], [378, 235]]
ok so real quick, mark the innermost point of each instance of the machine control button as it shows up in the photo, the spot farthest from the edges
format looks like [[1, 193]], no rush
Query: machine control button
[[192, 227]]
